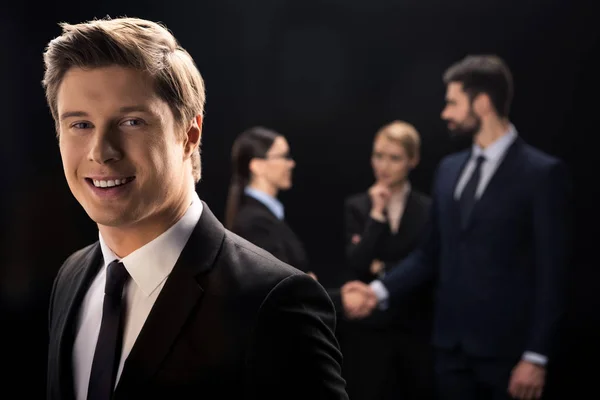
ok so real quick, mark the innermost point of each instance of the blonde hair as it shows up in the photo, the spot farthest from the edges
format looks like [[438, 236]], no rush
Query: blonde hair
[[404, 134], [135, 43]]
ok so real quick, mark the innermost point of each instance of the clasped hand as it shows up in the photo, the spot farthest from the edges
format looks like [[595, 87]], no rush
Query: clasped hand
[[358, 299]]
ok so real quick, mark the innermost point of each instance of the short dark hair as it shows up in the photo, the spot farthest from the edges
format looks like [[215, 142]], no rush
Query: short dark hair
[[487, 74]]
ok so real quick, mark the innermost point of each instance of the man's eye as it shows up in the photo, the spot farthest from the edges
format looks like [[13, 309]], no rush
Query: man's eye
[[133, 122], [81, 125]]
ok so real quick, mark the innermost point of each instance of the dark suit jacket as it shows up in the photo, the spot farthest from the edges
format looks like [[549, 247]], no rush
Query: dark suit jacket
[[231, 322], [378, 242], [501, 278], [257, 224]]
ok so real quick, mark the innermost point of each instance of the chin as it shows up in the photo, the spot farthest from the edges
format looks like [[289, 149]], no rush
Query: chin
[[112, 218], [286, 186]]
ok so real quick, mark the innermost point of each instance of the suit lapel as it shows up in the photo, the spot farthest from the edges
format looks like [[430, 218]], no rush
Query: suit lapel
[[448, 185], [67, 323], [408, 221], [497, 182], [180, 295]]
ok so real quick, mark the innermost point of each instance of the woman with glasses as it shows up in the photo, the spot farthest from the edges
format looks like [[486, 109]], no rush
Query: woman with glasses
[[262, 167]]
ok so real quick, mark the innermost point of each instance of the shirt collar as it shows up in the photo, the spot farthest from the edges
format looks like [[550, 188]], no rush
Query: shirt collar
[[269, 201], [497, 149], [402, 194], [152, 263]]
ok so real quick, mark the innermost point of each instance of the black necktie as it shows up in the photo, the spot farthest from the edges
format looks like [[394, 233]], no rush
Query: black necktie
[[467, 198], [108, 348]]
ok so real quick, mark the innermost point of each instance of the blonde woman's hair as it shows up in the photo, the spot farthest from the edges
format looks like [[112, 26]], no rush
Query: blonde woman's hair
[[404, 134]]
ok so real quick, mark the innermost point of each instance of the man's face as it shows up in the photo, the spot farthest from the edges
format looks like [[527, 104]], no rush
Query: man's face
[[458, 112], [124, 157]]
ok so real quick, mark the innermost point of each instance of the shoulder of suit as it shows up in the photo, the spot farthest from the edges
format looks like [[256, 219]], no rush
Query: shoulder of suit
[[253, 259], [81, 253], [454, 157], [539, 159], [75, 260], [357, 199], [249, 214], [420, 197]]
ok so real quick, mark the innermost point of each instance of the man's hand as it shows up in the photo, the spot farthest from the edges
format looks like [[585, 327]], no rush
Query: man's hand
[[358, 299], [527, 381]]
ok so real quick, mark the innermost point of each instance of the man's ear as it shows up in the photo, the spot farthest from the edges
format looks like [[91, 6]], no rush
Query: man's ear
[[482, 104], [193, 136]]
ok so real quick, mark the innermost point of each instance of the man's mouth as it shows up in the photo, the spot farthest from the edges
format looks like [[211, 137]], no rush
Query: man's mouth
[[110, 183]]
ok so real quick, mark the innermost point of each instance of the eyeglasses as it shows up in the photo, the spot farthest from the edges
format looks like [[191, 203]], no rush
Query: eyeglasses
[[286, 156]]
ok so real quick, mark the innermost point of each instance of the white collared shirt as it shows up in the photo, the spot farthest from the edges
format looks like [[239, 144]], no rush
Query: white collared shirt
[[494, 154], [149, 266]]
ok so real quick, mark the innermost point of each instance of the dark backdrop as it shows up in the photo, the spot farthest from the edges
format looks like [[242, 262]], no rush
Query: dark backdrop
[[327, 74]]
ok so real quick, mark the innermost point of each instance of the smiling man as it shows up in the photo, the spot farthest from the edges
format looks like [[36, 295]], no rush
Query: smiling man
[[167, 303]]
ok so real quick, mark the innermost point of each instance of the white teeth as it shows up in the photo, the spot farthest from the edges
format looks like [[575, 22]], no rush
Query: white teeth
[[110, 182]]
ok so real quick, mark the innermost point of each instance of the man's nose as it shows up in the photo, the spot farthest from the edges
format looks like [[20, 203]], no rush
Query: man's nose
[[105, 147]]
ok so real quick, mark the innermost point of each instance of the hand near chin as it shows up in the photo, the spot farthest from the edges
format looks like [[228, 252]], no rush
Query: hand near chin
[[380, 197]]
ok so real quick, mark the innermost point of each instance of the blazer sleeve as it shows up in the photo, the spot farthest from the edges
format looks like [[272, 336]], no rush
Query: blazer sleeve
[[261, 232], [335, 294], [422, 264], [294, 352], [552, 221], [360, 254]]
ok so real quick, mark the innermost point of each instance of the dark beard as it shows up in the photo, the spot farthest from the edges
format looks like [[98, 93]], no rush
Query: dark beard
[[467, 128]]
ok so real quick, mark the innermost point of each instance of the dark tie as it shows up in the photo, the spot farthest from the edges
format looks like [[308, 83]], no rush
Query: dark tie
[[108, 348], [467, 198]]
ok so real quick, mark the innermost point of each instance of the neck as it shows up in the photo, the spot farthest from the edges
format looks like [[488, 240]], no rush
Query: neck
[[492, 129], [398, 187], [264, 187], [124, 240]]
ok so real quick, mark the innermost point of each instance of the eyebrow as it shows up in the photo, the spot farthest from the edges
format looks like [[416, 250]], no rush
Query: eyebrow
[[126, 109]]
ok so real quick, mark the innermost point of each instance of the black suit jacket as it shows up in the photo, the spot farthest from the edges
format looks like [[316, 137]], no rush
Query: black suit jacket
[[231, 322], [257, 224], [378, 242], [501, 278]]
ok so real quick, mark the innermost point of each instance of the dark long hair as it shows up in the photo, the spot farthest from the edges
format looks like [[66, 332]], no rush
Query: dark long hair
[[252, 143]]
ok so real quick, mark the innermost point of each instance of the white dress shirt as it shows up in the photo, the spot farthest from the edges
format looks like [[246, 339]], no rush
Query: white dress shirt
[[149, 266], [494, 154], [396, 206]]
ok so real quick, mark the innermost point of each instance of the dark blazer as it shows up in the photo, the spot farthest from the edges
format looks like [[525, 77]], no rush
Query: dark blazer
[[257, 224], [501, 278], [378, 242], [231, 322]]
